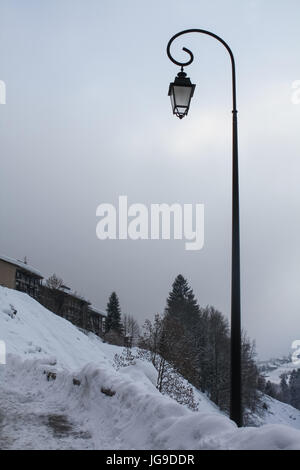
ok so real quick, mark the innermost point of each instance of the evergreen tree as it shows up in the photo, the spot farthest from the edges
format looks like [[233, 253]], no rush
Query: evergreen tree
[[182, 315], [195, 343], [176, 346], [295, 388], [213, 356], [271, 390], [182, 305], [113, 318], [252, 399], [285, 395]]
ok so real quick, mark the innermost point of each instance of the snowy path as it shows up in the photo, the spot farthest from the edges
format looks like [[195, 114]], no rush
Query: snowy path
[[40, 414], [33, 421]]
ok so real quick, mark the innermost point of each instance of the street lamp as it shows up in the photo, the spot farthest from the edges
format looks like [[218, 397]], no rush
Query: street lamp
[[181, 94]]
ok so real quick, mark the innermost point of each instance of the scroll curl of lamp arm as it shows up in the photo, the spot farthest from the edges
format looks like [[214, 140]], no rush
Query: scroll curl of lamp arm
[[185, 64]]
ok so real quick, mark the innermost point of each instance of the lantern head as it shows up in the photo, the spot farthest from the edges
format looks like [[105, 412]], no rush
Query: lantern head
[[181, 92]]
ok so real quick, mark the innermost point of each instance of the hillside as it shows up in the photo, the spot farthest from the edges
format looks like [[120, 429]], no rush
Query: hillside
[[274, 368], [71, 412]]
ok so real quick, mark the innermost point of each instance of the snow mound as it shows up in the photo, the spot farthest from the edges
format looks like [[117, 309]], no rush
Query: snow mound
[[44, 408]]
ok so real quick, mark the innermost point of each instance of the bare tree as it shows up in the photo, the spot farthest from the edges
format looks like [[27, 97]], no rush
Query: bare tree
[[54, 282], [114, 337], [150, 340], [131, 328]]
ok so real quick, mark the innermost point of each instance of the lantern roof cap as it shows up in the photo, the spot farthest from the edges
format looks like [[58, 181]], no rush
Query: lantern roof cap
[[181, 80]]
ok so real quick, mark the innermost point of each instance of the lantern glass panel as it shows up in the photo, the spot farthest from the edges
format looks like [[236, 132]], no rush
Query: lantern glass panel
[[182, 95]]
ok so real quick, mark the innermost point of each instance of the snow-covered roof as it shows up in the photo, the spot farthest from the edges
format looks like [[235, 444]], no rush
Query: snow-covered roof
[[22, 265], [97, 310], [67, 290], [73, 293]]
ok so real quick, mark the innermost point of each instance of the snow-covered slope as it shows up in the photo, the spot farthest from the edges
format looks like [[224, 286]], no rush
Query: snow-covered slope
[[278, 413], [273, 369], [36, 413], [34, 332]]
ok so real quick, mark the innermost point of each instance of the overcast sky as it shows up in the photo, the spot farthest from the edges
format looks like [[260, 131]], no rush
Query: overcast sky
[[88, 118]]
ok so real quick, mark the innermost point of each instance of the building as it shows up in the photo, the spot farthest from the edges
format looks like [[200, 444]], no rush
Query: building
[[19, 275], [73, 307], [96, 319], [63, 301]]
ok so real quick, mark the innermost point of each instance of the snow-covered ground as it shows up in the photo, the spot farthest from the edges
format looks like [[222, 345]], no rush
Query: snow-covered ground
[[278, 413], [276, 367], [36, 413]]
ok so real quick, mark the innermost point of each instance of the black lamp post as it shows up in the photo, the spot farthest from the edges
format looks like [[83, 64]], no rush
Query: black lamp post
[[181, 92]]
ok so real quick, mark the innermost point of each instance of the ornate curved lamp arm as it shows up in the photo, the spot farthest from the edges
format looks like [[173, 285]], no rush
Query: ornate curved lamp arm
[[184, 64]]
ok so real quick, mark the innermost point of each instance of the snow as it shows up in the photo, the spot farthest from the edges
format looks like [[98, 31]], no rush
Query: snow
[[37, 413], [276, 368], [73, 293], [97, 310], [22, 265], [278, 413], [38, 333]]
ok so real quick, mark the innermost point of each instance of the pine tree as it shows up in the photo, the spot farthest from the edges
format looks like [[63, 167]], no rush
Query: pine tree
[[113, 318], [182, 315], [195, 343], [252, 399], [271, 390], [295, 388], [182, 305], [213, 356], [285, 395]]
